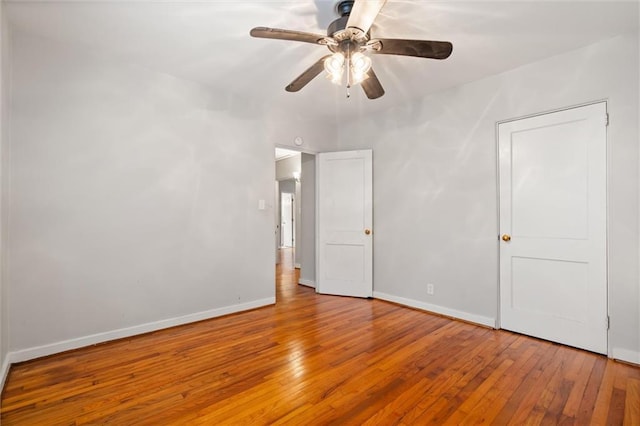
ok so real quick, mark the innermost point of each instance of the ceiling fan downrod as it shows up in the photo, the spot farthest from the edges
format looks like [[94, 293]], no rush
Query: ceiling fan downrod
[[344, 8]]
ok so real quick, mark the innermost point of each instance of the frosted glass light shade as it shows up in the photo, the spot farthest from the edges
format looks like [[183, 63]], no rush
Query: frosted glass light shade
[[360, 65], [334, 66]]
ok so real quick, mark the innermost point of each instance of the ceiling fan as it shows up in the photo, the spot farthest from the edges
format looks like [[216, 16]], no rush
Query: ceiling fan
[[349, 40]]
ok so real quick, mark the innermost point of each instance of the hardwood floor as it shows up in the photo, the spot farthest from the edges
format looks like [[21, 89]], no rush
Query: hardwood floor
[[314, 359]]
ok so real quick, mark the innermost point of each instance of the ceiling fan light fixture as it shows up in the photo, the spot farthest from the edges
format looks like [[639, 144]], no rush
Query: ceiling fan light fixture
[[334, 66], [349, 39]]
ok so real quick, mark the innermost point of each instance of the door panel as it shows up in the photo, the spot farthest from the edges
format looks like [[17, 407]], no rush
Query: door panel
[[344, 209], [344, 262], [550, 189], [553, 272], [345, 251], [565, 280]]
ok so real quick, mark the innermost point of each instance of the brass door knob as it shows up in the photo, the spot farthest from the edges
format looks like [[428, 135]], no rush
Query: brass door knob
[[367, 231], [506, 237]]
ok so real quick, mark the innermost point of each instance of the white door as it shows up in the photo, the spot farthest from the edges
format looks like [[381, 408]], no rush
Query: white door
[[286, 206], [553, 270], [345, 240]]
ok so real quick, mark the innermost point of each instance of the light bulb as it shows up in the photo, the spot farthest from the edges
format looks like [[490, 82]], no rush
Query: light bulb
[[360, 63], [360, 66], [334, 65]]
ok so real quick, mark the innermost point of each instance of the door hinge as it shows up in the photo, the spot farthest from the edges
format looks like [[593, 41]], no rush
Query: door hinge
[[608, 322], [606, 119]]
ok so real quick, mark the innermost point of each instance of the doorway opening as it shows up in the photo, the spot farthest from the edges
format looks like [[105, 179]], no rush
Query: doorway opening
[[295, 222]]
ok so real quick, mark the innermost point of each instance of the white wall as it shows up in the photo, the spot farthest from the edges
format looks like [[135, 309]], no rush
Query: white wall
[[282, 127], [4, 134], [133, 200], [435, 194]]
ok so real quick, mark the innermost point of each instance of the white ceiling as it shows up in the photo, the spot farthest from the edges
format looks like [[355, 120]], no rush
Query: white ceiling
[[208, 41]]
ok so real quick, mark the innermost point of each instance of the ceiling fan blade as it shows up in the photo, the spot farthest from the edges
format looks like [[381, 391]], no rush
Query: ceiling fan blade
[[363, 14], [371, 85], [276, 33], [304, 78], [418, 48]]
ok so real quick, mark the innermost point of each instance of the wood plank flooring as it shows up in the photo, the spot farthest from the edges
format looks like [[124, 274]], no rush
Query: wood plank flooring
[[314, 359]]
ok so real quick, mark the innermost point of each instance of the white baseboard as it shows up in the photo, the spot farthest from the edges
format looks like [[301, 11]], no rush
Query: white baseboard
[[308, 283], [465, 316], [625, 355], [66, 345], [5, 371]]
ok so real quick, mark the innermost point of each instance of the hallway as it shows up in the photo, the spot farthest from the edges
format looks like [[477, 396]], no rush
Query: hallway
[[287, 276]]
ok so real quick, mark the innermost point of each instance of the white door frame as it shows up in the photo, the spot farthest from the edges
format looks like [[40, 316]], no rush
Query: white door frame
[[498, 236]]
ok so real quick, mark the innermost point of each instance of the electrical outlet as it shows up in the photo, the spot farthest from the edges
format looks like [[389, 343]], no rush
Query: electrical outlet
[[430, 289]]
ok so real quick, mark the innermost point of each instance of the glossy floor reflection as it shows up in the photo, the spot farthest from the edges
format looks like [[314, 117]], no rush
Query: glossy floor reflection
[[315, 359]]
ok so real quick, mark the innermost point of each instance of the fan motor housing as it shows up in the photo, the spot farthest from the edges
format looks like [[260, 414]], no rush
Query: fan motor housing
[[337, 25], [343, 9], [338, 28]]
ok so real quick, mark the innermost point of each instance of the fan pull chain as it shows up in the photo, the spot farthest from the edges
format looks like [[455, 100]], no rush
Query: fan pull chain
[[347, 66]]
